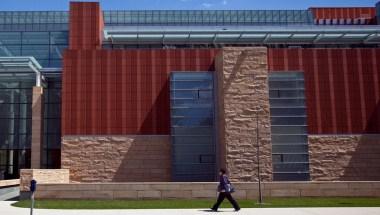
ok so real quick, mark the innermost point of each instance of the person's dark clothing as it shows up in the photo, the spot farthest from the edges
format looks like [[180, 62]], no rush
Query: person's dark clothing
[[223, 183], [224, 189], [221, 197]]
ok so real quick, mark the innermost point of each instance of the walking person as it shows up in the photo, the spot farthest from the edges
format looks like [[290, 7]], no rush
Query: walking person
[[225, 189]]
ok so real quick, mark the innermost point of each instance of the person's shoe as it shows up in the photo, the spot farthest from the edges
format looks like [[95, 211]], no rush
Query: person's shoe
[[236, 210], [213, 210]]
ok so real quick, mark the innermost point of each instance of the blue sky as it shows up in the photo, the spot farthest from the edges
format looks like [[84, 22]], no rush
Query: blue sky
[[185, 4]]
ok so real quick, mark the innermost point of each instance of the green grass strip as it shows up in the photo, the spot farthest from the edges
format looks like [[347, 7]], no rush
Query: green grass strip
[[201, 203]]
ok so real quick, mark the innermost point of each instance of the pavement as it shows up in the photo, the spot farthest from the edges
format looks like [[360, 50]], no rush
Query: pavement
[[9, 193], [6, 208]]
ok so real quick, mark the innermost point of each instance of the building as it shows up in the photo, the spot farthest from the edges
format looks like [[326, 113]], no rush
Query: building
[[174, 95]]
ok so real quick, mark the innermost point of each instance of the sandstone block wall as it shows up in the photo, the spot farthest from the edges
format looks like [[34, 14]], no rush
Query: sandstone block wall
[[205, 190], [344, 157], [37, 127], [141, 158], [243, 91], [9, 183], [42, 176]]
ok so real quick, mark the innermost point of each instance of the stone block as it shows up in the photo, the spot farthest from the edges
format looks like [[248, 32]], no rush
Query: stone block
[[344, 157], [43, 176], [204, 193], [240, 194], [97, 194], [166, 186], [311, 193], [285, 193], [153, 194], [126, 158], [168, 194], [131, 194], [6, 183]]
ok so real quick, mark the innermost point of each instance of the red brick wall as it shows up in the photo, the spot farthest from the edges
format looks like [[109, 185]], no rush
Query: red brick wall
[[342, 87], [123, 91]]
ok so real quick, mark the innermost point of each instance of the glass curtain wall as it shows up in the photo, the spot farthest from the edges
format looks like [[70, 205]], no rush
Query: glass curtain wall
[[207, 17], [15, 125], [192, 126], [51, 158], [46, 47]]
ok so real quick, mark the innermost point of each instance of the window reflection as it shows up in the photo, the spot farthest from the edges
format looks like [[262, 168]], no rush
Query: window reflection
[[192, 126]]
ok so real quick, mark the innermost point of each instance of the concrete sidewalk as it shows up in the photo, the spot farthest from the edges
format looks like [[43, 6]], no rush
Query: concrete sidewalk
[[6, 208]]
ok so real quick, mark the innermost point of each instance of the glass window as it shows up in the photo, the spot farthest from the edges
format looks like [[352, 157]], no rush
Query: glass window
[[15, 126], [289, 126], [11, 38], [10, 50], [35, 37], [60, 37], [192, 126], [37, 51], [56, 51]]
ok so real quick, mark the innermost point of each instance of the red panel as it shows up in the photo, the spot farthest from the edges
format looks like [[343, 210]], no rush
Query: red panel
[[86, 25], [342, 87], [343, 13], [123, 91]]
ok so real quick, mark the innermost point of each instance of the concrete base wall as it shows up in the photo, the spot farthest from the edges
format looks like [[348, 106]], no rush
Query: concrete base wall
[[344, 157], [9, 183], [42, 176], [205, 190], [131, 158]]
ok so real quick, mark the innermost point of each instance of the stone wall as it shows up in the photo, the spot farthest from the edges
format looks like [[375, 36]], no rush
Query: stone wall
[[242, 92], [42, 176], [37, 127], [205, 190], [130, 158], [344, 157], [9, 183]]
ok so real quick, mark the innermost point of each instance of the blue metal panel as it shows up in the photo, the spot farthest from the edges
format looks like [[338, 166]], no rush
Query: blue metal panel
[[289, 126], [192, 126]]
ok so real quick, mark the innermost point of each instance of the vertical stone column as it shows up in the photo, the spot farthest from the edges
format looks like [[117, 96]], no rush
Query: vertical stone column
[[243, 91], [37, 127]]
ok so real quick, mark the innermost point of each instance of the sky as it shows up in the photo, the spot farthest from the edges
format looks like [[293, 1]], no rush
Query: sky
[[21, 5]]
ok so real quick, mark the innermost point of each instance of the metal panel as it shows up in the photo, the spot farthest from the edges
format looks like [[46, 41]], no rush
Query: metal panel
[[192, 126], [289, 126]]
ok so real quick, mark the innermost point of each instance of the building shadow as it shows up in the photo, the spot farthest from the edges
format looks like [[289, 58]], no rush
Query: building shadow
[[148, 158], [364, 162]]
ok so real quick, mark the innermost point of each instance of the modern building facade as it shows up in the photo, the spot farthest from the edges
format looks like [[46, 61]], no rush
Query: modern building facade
[[120, 96]]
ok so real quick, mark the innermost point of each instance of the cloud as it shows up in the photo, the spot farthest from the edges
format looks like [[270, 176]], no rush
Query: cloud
[[206, 5], [224, 2]]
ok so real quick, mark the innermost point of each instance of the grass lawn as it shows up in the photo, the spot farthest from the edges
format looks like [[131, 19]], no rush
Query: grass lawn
[[173, 204]]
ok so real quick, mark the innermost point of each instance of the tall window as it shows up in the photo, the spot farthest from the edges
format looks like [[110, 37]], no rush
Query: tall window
[[15, 125], [192, 126], [289, 126]]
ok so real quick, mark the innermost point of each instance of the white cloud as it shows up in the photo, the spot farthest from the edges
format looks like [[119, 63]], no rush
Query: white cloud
[[206, 5], [224, 2]]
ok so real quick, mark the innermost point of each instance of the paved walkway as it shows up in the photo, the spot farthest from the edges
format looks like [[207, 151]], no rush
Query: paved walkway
[[6, 208], [9, 193]]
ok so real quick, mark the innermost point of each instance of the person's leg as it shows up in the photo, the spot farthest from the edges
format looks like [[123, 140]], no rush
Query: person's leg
[[221, 197], [233, 202]]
